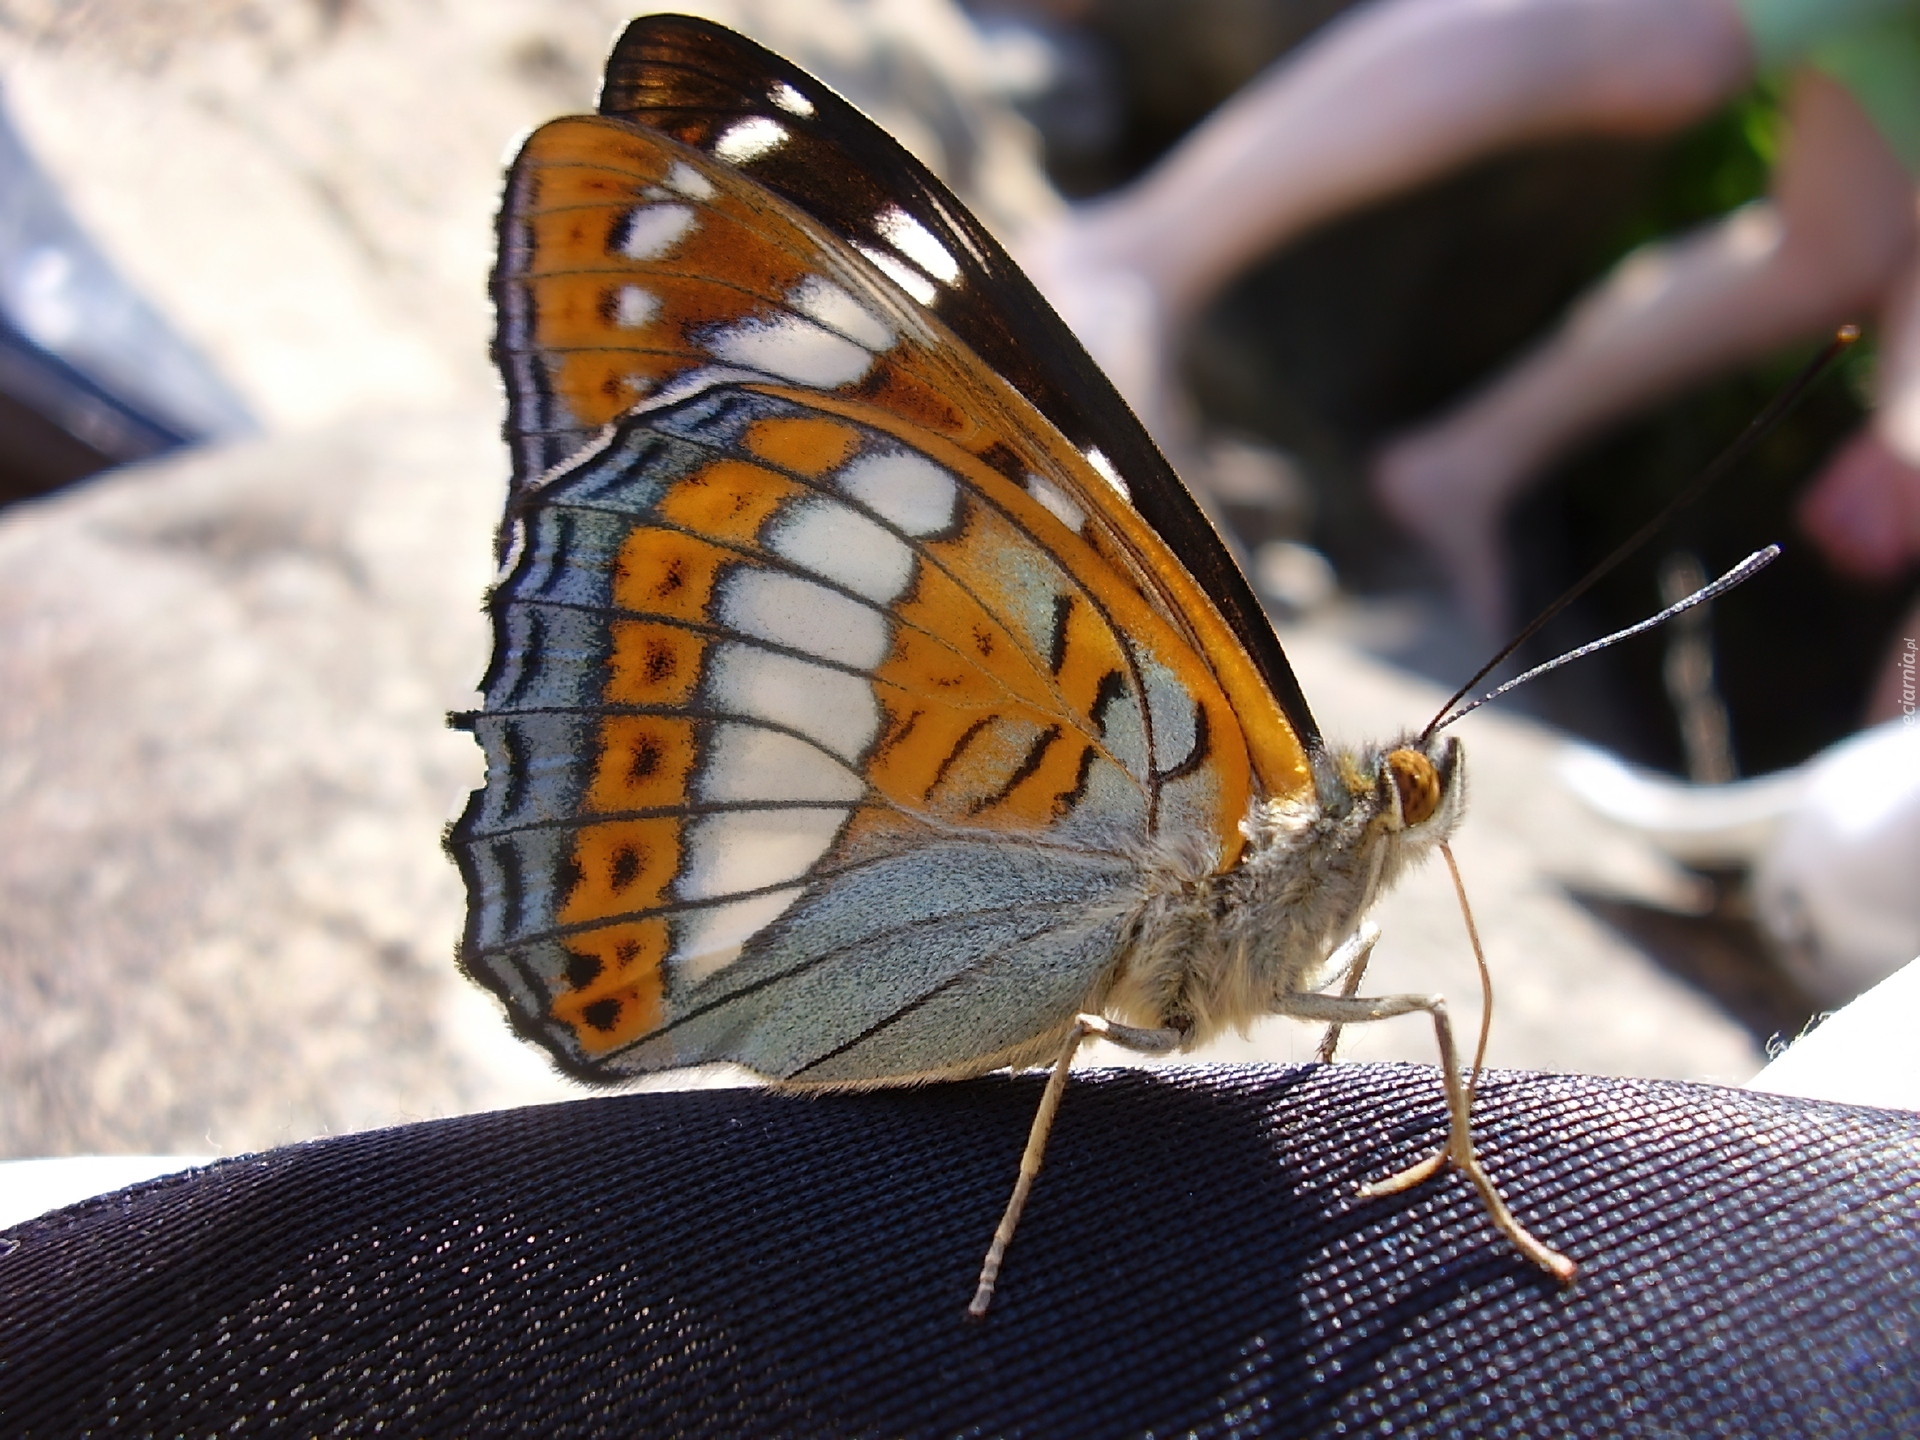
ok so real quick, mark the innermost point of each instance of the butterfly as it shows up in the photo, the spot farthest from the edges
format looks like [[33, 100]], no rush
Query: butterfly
[[870, 702]]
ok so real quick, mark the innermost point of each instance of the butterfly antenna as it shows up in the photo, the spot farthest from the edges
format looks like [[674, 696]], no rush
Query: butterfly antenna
[[1757, 429], [1740, 573]]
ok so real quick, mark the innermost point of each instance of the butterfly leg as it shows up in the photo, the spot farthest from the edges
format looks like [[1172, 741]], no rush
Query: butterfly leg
[[1458, 1151], [1350, 963], [1153, 1042]]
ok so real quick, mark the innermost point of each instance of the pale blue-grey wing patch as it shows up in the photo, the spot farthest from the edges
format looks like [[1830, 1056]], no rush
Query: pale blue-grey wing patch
[[523, 885], [917, 963], [1109, 813], [1123, 730], [1033, 585], [1187, 786]]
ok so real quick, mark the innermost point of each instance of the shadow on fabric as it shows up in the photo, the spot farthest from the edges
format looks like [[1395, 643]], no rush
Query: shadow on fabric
[[739, 1262]]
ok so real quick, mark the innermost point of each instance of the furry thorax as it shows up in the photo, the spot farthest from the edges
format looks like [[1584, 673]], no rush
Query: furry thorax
[[1212, 952]]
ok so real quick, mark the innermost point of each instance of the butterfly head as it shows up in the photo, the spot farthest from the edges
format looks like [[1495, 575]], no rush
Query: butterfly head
[[1316, 862], [1426, 784], [1414, 789]]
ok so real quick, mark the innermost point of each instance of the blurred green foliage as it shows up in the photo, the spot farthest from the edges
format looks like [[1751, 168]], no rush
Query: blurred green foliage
[[1717, 166]]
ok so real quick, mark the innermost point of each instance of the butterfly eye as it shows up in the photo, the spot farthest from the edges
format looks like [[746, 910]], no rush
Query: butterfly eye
[[1418, 783]]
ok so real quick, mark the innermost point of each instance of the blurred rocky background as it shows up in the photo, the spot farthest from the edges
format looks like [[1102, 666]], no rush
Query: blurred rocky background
[[225, 921]]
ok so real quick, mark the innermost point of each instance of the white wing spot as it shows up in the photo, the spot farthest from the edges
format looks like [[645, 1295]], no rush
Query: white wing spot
[[917, 243], [838, 543], [749, 139], [747, 763], [901, 273], [711, 940], [822, 300], [790, 348], [752, 849], [831, 707], [1055, 499], [800, 615], [790, 99], [1097, 458], [634, 308], [689, 182], [908, 491], [653, 230]]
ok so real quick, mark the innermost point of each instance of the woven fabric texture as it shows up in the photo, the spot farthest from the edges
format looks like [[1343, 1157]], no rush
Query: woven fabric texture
[[1194, 1261]]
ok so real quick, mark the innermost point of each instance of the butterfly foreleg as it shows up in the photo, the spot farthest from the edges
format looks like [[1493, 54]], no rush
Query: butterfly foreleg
[[1349, 963], [1153, 1042], [1338, 1010]]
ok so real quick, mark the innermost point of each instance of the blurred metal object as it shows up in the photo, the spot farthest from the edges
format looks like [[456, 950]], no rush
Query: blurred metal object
[[1836, 890], [1725, 828], [1833, 847], [91, 375], [1706, 736]]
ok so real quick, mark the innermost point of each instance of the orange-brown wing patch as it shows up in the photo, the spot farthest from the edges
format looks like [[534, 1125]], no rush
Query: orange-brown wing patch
[[621, 867], [955, 648], [1113, 551], [613, 984], [808, 445], [645, 764], [621, 254], [728, 501], [1067, 628], [668, 573], [652, 664]]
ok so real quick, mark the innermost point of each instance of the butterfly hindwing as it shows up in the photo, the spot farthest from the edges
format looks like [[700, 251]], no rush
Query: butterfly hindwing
[[727, 686], [835, 697]]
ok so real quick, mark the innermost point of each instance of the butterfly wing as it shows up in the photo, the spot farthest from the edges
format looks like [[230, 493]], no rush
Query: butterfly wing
[[836, 697], [716, 90]]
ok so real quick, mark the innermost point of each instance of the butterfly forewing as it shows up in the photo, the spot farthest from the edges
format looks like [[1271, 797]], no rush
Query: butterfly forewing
[[719, 92], [802, 705]]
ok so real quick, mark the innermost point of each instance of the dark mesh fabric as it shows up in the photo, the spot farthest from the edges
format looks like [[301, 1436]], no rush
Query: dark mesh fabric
[[1193, 1261]]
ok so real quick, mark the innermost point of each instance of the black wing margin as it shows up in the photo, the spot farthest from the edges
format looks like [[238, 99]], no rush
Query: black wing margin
[[696, 81]]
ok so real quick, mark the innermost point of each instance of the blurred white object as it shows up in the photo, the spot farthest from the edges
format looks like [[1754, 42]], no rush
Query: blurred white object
[[1839, 888], [1706, 825], [1834, 845], [1862, 1054]]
